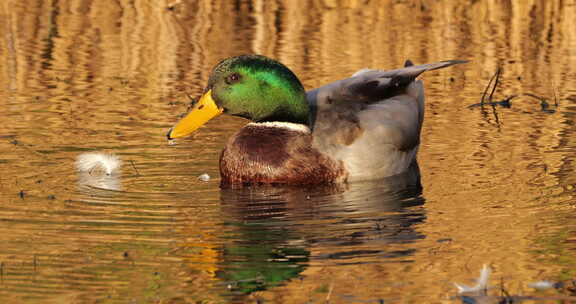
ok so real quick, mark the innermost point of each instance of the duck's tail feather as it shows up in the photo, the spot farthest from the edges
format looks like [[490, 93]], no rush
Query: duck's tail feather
[[433, 66], [374, 85]]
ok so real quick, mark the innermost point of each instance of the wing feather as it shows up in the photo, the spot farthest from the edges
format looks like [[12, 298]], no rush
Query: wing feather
[[372, 120]]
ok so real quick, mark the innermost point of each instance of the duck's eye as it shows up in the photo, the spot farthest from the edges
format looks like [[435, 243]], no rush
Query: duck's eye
[[233, 78]]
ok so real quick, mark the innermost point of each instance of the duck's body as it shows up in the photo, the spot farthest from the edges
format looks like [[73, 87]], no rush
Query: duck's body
[[359, 128], [277, 152]]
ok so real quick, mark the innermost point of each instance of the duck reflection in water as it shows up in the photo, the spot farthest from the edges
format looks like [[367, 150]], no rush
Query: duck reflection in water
[[276, 232]]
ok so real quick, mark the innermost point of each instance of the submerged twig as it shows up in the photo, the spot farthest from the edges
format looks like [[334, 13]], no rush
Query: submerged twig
[[498, 71], [504, 294], [134, 166], [488, 99], [495, 78], [555, 96]]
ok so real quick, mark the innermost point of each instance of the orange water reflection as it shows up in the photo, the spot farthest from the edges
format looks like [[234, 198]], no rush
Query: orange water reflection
[[80, 76]]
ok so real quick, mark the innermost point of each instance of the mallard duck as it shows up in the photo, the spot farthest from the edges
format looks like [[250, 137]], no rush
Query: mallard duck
[[359, 128]]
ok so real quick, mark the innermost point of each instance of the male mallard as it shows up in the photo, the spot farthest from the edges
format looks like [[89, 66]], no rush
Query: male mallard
[[359, 128]]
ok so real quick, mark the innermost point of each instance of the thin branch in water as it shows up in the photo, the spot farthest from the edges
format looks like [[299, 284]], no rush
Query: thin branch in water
[[542, 99], [506, 298], [487, 99], [488, 86], [555, 96], [498, 71], [496, 116], [134, 166], [543, 103]]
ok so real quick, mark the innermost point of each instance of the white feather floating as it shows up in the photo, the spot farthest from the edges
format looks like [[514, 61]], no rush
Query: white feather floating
[[542, 285], [204, 177], [481, 283], [106, 162]]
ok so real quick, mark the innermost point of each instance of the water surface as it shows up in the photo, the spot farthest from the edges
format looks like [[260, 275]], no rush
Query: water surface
[[495, 187]]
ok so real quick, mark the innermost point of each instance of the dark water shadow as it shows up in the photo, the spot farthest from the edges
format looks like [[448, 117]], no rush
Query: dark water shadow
[[275, 233]]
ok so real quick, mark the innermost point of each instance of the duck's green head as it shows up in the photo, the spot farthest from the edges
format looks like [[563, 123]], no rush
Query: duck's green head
[[250, 86]]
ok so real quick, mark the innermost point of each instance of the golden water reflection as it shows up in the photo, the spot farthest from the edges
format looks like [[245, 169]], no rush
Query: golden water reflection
[[78, 76]]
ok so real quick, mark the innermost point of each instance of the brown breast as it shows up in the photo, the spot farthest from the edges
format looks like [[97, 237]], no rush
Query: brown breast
[[260, 154]]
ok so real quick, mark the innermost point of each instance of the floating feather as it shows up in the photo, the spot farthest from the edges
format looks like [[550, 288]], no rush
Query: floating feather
[[481, 283], [204, 177], [542, 285], [106, 162]]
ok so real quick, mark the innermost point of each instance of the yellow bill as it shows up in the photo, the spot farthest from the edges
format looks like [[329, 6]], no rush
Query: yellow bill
[[204, 110]]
